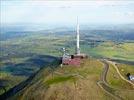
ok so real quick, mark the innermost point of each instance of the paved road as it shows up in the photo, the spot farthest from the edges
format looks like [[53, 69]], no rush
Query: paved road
[[105, 70], [103, 82]]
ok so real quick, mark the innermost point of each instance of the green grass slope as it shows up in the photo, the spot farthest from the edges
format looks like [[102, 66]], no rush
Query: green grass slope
[[66, 83], [72, 83], [10, 81]]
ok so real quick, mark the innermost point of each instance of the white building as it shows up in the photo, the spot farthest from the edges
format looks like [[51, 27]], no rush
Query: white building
[[131, 77]]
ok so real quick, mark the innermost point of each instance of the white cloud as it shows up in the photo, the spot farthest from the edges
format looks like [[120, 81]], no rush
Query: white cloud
[[48, 3], [66, 11]]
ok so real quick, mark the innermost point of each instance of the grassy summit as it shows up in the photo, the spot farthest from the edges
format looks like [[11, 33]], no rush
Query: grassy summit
[[72, 83]]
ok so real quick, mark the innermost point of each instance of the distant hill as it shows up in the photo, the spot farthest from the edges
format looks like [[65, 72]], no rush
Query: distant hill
[[112, 32]]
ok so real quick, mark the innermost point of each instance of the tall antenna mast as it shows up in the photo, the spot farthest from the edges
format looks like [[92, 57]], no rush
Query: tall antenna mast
[[77, 39]]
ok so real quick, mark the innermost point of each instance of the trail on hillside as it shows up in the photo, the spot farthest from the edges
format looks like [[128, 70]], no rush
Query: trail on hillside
[[120, 73], [103, 82]]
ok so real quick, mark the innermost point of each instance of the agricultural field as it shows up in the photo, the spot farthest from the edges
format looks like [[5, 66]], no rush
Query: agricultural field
[[113, 50]]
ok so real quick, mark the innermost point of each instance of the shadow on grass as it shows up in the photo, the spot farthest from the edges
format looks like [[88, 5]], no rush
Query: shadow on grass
[[40, 60], [31, 65], [123, 61], [3, 84]]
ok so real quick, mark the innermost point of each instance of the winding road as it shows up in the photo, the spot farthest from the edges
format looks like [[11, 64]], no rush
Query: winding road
[[105, 70], [103, 82]]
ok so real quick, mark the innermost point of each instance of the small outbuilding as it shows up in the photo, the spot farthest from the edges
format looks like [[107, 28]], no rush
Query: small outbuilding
[[131, 77], [70, 60]]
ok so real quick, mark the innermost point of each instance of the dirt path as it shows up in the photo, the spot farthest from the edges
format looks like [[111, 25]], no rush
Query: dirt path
[[105, 70], [103, 82], [113, 63]]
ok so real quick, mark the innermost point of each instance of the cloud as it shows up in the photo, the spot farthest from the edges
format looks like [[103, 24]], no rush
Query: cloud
[[66, 11], [48, 3]]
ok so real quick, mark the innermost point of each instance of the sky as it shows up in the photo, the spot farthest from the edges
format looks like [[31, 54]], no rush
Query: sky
[[66, 12]]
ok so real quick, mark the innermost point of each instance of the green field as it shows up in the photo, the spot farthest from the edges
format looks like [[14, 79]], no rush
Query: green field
[[112, 50], [41, 44]]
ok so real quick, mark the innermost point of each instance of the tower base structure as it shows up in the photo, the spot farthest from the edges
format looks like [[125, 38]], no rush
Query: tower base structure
[[81, 56], [73, 59]]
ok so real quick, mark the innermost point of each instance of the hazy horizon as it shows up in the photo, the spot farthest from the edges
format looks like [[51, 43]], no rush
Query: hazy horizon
[[62, 13]]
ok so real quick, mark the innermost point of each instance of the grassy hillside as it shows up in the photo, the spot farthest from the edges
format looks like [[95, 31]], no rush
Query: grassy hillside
[[115, 81], [124, 69], [72, 83], [66, 83], [121, 87], [23, 53], [8, 81]]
